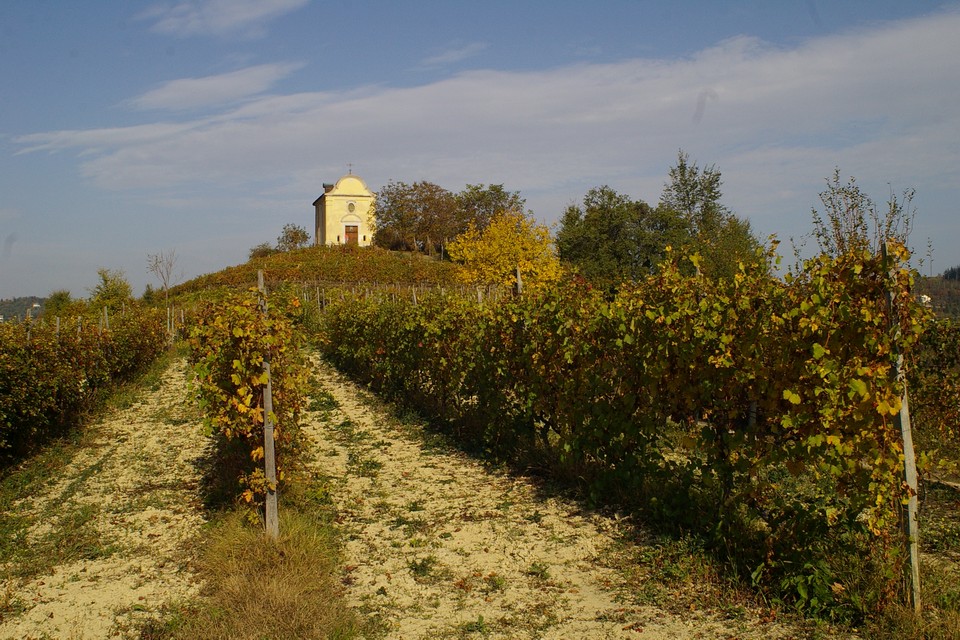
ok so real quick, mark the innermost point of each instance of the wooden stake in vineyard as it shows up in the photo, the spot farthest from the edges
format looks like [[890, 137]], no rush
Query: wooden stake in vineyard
[[269, 456], [911, 530]]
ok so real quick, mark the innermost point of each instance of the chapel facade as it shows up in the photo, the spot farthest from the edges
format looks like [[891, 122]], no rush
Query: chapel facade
[[344, 213]]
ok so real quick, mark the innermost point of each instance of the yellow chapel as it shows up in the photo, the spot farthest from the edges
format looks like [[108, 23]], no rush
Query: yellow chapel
[[344, 213]]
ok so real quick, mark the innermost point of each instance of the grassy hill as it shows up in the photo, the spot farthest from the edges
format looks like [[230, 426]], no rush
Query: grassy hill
[[329, 265]]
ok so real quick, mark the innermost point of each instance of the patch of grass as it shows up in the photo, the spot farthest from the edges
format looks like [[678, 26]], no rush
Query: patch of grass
[[11, 605], [494, 582], [538, 570], [536, 517], [76, 537], [350, 433], [125, 394], [363, 466], [178, 414], [72, 534], [257, 588], [13, 534], [675, 573], [940, 617], [321, 400], [26, 479], [902, 622], [76, 483], [941, 519], [422, 568], [411, 526], [479, 625]]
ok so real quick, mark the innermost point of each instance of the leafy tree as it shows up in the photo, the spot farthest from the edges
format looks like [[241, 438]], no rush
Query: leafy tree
[[112, 291], [612, 238], [480, 204], [722, 238], [58, 303], [293, 237], [851, 220], [695, 194], [512, 240], [953, 273], [262, 250], [425, 217], [415, 217]]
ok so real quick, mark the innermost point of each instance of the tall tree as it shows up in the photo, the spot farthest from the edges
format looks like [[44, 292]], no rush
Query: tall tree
[[415, 217], [112, 291], [695, 194], [58, 303], [480, 204], [510, 241], [722, 238], [612, 238]]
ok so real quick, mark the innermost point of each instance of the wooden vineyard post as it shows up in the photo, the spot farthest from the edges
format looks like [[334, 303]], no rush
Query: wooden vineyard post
[[911, 529], [269, 456]]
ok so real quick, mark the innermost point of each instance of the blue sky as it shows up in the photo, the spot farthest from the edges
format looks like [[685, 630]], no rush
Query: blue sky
[[204, 126]]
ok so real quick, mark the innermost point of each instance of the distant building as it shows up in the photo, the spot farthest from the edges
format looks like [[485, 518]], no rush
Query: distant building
[[344, 213]]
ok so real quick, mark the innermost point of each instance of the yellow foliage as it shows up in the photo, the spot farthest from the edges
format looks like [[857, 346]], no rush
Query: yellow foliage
[[511, 240]]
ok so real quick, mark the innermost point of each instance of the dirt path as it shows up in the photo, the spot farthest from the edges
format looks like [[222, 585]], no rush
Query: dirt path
[[440, 547], [120, 516]]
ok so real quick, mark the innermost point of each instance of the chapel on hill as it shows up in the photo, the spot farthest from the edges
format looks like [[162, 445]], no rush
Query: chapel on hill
[[344, 213]]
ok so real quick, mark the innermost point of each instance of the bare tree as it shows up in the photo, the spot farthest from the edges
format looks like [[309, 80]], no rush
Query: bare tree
[[162, 266], [852, 221]]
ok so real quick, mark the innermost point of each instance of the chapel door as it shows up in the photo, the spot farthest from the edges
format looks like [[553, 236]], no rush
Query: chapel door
[[353, 234]]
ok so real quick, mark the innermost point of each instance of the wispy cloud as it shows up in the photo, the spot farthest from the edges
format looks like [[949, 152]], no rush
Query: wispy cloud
[[217, 17], [452, 56], [216, 90], [776, 120], [96, 141]]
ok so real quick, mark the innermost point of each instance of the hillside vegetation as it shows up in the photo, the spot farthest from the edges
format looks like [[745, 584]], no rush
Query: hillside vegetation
[[320, 265], [16, 308], [944, 295]]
